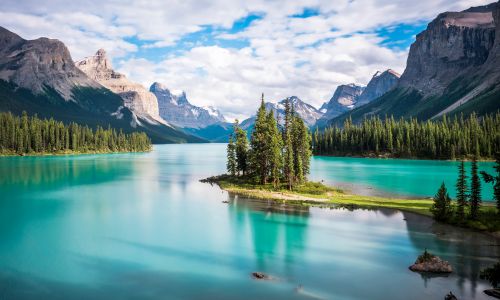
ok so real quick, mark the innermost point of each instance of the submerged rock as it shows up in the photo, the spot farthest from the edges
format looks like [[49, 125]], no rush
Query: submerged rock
[[450, 296], [431, 263], [261, 276], [495, 293]]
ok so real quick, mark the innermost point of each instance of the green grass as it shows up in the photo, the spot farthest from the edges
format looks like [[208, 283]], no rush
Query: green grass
[[316, 193]]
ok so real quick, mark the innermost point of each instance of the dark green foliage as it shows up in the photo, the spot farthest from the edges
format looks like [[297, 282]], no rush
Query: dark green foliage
[[231, 165], [495, 180], [492, 275], [280, 156], [241, 148], [461, 192], [441, 208], [259, 156], [475, 191], [443, 139], [91, 107], [424, 257], [26, 135]]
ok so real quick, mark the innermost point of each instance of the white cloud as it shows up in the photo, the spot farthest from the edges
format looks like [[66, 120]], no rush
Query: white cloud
[[307, 57]]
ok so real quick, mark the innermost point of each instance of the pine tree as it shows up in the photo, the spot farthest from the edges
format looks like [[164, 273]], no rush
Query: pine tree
[[275, 145], [475, 191], [231, 157], [495, 180], [288, 168], [461, 192], [441, 208], [241, 148], [258, 144]]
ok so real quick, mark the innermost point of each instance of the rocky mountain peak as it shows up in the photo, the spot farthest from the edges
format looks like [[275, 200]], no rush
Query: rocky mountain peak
[[136, 97], [176, 109], [454, 43], [38, 64]]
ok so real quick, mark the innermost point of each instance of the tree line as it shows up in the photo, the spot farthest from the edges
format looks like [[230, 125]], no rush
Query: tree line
[[468, 202], [278, 152], [24, 135], [443, 139]]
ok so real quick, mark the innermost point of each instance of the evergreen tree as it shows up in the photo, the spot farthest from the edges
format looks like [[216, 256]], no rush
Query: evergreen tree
[[275, 145], [231, 157], [475, 191], [258, 145], [441, 208], [241, 149], [288, 168], [495, 180], [461, 192]]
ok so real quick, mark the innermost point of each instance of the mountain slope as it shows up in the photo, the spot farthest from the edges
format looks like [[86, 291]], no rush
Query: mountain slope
[[39, 77], [351, 96], [453, 67], [139, 100], [177, 110]]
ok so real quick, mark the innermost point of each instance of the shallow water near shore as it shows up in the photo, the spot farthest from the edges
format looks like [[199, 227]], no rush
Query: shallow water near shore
[[141, 226]]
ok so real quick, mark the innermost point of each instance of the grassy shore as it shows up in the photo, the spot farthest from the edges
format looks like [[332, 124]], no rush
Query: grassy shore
[[315, 193]]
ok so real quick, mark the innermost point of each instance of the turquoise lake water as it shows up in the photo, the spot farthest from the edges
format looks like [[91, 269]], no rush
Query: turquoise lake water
[[141, 226]]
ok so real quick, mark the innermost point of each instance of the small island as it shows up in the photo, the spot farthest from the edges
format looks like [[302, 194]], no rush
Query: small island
[[27, 135], [430, 263]]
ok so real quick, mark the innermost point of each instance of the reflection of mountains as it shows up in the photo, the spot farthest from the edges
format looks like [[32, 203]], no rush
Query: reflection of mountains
[[476, 250], [46, 173], [280, 232]]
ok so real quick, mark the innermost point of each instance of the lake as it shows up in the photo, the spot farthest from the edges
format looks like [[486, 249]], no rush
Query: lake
[[141, 226]]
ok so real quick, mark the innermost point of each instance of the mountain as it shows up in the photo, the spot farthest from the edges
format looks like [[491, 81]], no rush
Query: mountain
[[453, 67], [350, 96], [136, 97], [39, 77], [344, 99], [381, 83], [177, 110]]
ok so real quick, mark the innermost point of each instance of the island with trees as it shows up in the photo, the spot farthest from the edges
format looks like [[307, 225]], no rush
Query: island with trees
[[27, 135], [274, 164]]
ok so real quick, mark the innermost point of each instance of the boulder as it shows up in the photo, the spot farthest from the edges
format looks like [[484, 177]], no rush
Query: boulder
[[495, 293], [429, 263], [261, 276]]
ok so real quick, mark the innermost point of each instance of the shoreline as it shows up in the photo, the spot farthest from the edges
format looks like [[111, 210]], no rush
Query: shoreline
[[326, 196], [44, 154], [381, 156]]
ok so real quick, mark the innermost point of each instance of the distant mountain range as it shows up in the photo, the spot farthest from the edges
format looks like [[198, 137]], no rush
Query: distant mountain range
[[40, 77], [453, 67]]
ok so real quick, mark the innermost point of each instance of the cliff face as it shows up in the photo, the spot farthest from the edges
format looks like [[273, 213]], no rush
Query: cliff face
[[453, 68], [381, 83], [344, 99], [135, 96], [454, 44], [177, 110], [37, 64]]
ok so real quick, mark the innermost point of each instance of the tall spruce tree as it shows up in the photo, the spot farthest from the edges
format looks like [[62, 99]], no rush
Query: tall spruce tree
[[301, 142], [461, 192], [475, 191], [275, 144], [241, 148], [231, 157], [441, 208], [495, 180], [258, 145], [288, 168]]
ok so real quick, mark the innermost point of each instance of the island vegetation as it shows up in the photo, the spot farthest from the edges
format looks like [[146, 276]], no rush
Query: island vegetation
[[454, 138], [30, 135]]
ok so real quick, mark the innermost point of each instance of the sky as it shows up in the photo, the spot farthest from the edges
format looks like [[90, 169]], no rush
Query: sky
[[225, 53]]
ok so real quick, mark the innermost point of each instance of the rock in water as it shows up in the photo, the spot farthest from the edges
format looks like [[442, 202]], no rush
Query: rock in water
[[430, 264], [493, 293], [261, 276], [450, 296]]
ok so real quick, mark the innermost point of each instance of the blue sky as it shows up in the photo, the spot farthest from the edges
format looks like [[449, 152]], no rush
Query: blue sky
[[225, 53]]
